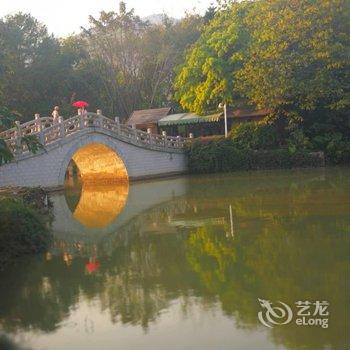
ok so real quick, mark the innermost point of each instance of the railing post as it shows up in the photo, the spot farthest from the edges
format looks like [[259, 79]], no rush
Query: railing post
[[81, 121], [117, 121], [62, 131], [38, 125], [164, 136], [18, 134], [133, 126], [99, 118], [178, 141], [39, 128], [149, 132]]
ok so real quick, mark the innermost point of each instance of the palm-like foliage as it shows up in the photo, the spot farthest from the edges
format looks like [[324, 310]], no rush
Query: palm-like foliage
[[7, 119], [32, 142], [5, 153]]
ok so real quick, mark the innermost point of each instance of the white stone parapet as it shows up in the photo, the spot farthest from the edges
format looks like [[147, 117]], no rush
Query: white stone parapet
[[49, 132]]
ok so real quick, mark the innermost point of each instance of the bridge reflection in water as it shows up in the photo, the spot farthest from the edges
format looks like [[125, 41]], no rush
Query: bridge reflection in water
[[91, 211], [99, 205]]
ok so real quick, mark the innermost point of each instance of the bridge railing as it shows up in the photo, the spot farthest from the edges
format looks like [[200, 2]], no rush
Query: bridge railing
[[28, 128], [49, 132]]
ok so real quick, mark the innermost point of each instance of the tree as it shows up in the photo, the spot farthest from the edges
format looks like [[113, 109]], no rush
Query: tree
[[207, 76], [113, 43], [133, 61], [119, 63], [299, 56], [35, 72]]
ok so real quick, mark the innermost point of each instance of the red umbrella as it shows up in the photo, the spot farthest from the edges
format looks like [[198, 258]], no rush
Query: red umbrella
[[92, 266], [80, 104]]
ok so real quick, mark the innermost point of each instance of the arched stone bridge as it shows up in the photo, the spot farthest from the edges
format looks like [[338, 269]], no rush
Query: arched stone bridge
[[99, 146]]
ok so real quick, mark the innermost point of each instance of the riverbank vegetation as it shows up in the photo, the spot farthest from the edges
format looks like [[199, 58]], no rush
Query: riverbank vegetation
[[289, 57], [253, 146], [223, 156], [24, 223]]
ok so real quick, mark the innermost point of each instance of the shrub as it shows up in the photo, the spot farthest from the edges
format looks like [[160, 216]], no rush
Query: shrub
[[298, 142], [203, 157], [254, 135], [335, 146], [244, 135], [224, 156], [22, 230]]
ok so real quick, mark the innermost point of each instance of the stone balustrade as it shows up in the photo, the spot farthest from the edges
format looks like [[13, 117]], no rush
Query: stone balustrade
[[50, 132]]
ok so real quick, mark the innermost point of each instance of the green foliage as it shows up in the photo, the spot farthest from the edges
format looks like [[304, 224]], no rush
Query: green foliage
[[291, 57], [206, 78], [32, 143], [119, 63], [36, 72], [254, 135], [277, 54], [335, 145], [297, 141], [5, 153], [7, 118], [22, 230], [132, 61], [224, 156], [298, 56]]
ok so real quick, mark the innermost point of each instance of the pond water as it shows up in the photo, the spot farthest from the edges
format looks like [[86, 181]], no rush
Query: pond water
[[182, 263]]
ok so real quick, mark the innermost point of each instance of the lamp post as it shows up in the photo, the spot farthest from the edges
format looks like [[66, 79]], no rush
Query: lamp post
[[223, 105]]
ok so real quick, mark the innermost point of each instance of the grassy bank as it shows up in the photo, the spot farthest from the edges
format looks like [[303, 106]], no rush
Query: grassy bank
[[24, 223]]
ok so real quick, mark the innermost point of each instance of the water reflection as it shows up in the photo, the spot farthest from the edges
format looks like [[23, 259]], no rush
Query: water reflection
[[99, 205], [220, 246], [95, 204]]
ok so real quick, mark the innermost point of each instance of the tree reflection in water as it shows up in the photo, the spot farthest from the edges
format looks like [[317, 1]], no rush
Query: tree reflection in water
[[290, 243]]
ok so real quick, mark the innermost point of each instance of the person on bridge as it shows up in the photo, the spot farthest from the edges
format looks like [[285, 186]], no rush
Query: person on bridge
[[55, 114], [82, 111]]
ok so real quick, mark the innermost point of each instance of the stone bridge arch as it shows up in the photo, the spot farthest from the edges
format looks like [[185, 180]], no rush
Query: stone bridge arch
[[98, 159]]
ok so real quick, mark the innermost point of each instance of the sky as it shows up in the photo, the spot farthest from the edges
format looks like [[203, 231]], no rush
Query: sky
[[64, 17]]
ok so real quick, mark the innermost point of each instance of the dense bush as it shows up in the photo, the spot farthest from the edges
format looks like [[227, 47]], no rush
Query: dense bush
[[224, 156], [253, 135], [335, 146], [265, 136], [22, 230]]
